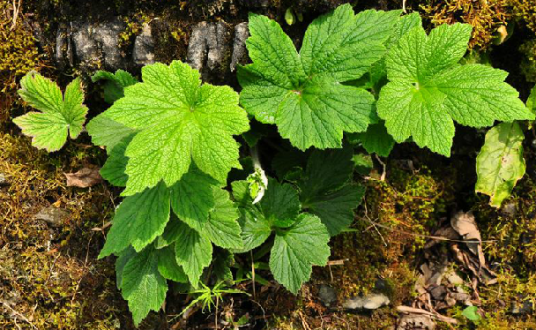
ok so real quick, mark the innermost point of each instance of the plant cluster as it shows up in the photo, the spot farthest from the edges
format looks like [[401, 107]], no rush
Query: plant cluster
[[194, 196]]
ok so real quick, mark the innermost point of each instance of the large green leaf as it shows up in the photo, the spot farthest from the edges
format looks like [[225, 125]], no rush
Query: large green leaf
[[297, 249], [107, 132], [138, 220], [193, 252], [428, 89], [500, 163], [327, 191], [178, 120], [302, 92], [142, 285], [60, 116]]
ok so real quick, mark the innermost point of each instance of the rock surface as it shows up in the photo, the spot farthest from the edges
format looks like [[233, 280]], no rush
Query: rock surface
[[53, 216], [368, 302], [327, 295]]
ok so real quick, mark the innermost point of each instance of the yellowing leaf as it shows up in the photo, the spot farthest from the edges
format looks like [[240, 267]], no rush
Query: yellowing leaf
[[500, 163]]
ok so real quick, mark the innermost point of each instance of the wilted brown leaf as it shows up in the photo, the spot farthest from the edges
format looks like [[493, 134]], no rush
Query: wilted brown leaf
[[86, 177]]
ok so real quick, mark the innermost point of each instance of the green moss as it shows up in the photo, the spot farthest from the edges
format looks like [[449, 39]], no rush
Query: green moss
[[528, 64], [51, 273], [485, 17], [18, 54]]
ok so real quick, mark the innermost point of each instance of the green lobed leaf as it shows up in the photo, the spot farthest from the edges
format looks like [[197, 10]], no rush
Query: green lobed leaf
[[60, 116], [500, 163], [113, 170], [142, 285], [138, 220], [280, 203], [171, 232], [327, 191], [428, 89], [120, 263], [378, 71], [193, 252], [296, 250], [302, 92], [168, 266], [222, 227], [115, 83], [107, 132], [221, 266], [178, 120], [375, 140], [192, 198]]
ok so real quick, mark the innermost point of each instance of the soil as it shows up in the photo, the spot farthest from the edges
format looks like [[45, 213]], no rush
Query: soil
[[50, 277]]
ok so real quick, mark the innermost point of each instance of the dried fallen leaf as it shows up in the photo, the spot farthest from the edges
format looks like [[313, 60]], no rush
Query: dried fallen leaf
[[86, 177], [465, 225]]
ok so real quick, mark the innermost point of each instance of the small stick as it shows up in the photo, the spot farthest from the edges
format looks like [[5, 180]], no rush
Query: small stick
[[24, 318], [411, 310], [253, 275], [384, 171]]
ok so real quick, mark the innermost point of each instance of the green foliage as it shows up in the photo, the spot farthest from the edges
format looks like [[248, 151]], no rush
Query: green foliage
[[500, 163], [301, 240], [183, 120], [115, 83], [138, 220], [60, 115], [302, 92], [170, 144], [471, 313], [142, 284], [327, 190], [375, 140], [428, 89]]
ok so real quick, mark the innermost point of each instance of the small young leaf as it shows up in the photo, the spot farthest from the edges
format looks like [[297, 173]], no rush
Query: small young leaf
[[326, 190], [178, 120], [193, 252], [500, 163], [142, 285], [221, 266], [374, 140], [138, 220], [255, 227], [428, 89], [302, 93], [296, 250], [59, 116], [115, 83], [471, 313], [168, 266]]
